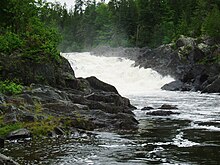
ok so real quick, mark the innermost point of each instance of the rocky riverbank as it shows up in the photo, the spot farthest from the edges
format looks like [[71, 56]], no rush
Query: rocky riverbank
[[53, 102], [194, 63]]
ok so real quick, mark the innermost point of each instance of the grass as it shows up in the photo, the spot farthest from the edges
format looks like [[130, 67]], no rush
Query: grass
[[6, 129]]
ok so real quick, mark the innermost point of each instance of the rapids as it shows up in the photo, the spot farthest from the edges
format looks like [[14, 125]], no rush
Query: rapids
[[190, 137]]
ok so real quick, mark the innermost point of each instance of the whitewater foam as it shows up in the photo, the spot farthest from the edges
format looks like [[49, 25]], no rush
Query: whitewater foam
[[117, 71]]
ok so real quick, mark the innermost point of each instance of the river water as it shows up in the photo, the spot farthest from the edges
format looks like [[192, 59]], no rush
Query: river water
[[190, 137]]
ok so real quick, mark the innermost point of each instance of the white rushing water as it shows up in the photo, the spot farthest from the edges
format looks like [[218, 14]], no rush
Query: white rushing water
[[119, 72], [189, 137], [197, 123]]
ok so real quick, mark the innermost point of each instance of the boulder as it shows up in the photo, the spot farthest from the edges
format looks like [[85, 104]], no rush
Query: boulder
[[173, 86], [167, 106], [4, 160], [99, 85], [161, 113], [19, 134], [147, 108], [107, 98]]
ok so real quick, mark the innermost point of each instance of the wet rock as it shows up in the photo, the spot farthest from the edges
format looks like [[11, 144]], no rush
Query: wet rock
[[19, 134], [2, 142], [167, 106], [173, 86], [100, 85], [124, 121], [147, 108], [4, 160], [107, 98], [161, 113], [213, 87], [59, 131]]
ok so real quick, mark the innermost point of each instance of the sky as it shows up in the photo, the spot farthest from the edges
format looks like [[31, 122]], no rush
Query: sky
[[69, 3]]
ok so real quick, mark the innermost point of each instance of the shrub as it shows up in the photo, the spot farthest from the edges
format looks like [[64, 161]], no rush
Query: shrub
[[211, 26], [41, 41], [10, 42], [10, 88]]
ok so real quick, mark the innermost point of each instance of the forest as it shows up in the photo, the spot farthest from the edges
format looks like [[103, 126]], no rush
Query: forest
[[40, 27]]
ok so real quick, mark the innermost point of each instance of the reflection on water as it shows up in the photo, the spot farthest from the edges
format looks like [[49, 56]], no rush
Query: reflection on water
[[191, 137]]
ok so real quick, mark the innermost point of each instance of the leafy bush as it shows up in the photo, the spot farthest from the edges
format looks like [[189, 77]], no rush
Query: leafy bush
[[41, 41], [10, 42], [10, 88], [211, 25]]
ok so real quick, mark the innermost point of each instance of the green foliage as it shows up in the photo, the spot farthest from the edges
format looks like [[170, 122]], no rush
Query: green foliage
[[211, 25], [10, 42], [43, 127], [10, 88], [41, 41], [36, 26], [22, 29], [6, 129]]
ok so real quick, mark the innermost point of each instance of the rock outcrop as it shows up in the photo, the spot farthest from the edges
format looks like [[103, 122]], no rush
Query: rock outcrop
[[53, 101], [194, 63]]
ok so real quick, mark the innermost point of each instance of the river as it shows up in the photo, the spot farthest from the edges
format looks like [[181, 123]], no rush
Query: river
[[190, 137]]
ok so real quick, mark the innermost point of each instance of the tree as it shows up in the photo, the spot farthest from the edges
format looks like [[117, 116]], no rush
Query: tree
[[211, 25]]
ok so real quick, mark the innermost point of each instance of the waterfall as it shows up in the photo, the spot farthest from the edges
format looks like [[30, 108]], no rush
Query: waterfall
[[117, 71]]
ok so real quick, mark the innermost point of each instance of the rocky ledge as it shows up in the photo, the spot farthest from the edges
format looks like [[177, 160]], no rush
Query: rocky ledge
[[61, 103]]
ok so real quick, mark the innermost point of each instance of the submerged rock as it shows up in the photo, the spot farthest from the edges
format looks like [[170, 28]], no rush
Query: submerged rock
[[161, 113], [147, 108], [4, 160], [167, 106]]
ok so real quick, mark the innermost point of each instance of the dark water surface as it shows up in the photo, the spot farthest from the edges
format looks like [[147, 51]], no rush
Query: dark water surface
[[191, 137]]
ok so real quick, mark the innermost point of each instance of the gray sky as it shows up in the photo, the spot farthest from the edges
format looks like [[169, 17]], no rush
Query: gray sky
[[69, 3]]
